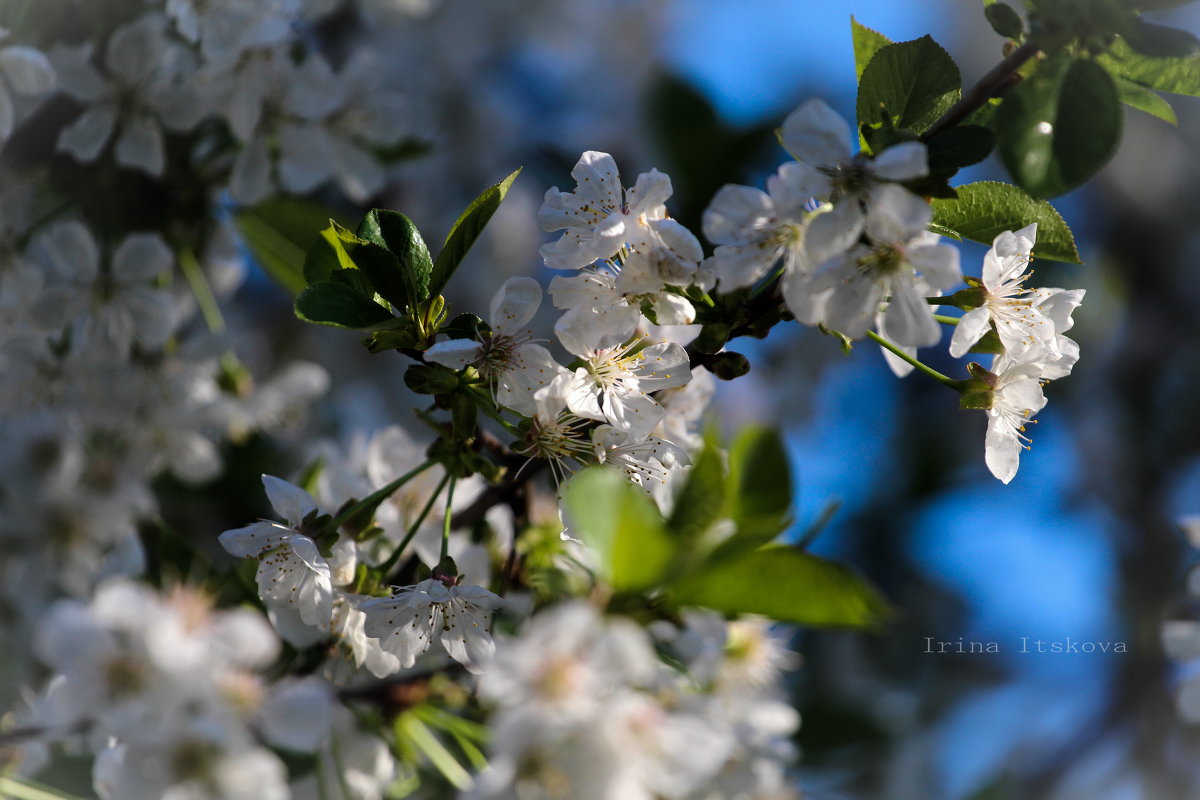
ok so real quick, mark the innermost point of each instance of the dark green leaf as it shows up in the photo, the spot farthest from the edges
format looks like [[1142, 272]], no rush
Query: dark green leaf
[[915, 81], [379, 341], [1004, 20], [700, 503], [960, 146], [328, 253], [1058, 127], [785, 584], [1159, 41], [279, 233], [1143, 99], [390, 280], [356, 280], [622, 524], [466, 326], [466, 230], [986, 209], [339, 305], [1175, 75], [430, 379], [760, 495], [396, 233], [867, 43]]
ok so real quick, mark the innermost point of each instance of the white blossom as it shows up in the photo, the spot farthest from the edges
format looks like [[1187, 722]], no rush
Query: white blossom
[[460, 617]]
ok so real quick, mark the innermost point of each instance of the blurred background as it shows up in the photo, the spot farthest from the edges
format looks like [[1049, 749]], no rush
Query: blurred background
[[1083, 545]]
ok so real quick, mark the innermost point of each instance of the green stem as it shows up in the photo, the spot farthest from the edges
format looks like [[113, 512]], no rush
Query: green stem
[[945, 320], [375, 498], [386, 566], [484, 402], [446, 521], [930, 371], [201, 290]]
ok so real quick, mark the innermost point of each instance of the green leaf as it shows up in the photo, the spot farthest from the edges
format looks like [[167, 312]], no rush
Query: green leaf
[[700, 503], [867, 43], [622, 524], [986, 209], [916, 82], [960, 146], [785, 584], [383, 269], [466, 230], [16, 788], [942, 230], [1143, 99], [328, 253], [1175, 75], [396, 233], [339, 305], [466, 326], [278, 233], [1159, 41], [1004, 20], [760, 496], [431, 379], [1056, 128]]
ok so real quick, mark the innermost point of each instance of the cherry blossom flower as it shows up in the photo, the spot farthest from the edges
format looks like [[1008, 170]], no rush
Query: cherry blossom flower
[[291, 570], [1017, 397], [460, 617], [619, 375], [900, 263], [599, 217], [509, 356], [819, 139]]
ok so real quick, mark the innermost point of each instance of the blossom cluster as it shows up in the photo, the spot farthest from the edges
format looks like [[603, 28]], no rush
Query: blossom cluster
[[852, 249]]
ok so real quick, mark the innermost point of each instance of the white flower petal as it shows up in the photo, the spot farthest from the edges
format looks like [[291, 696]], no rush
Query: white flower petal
[[292, 502], [817, 134], [86, 136], [738, 215], [901, 162], [26, 69], [515, 304], [140, 146], [970, 329], [140, 258], [454, 353]]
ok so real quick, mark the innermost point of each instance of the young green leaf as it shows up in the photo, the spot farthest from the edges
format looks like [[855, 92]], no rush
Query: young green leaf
[[466, 230], [340, 305], [700, 503], [1004, 20], [785, 584], [1159, 41], [1059, 126], [329, 253], [622, 525], [278, 233], [916, 82], [431, 379], [1143, 99], [760, 492], [986, 209], [1175, 75], [867, 43], [396, 233]]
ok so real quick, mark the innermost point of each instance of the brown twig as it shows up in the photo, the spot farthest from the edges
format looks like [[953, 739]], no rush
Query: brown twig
[[998, 80]]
